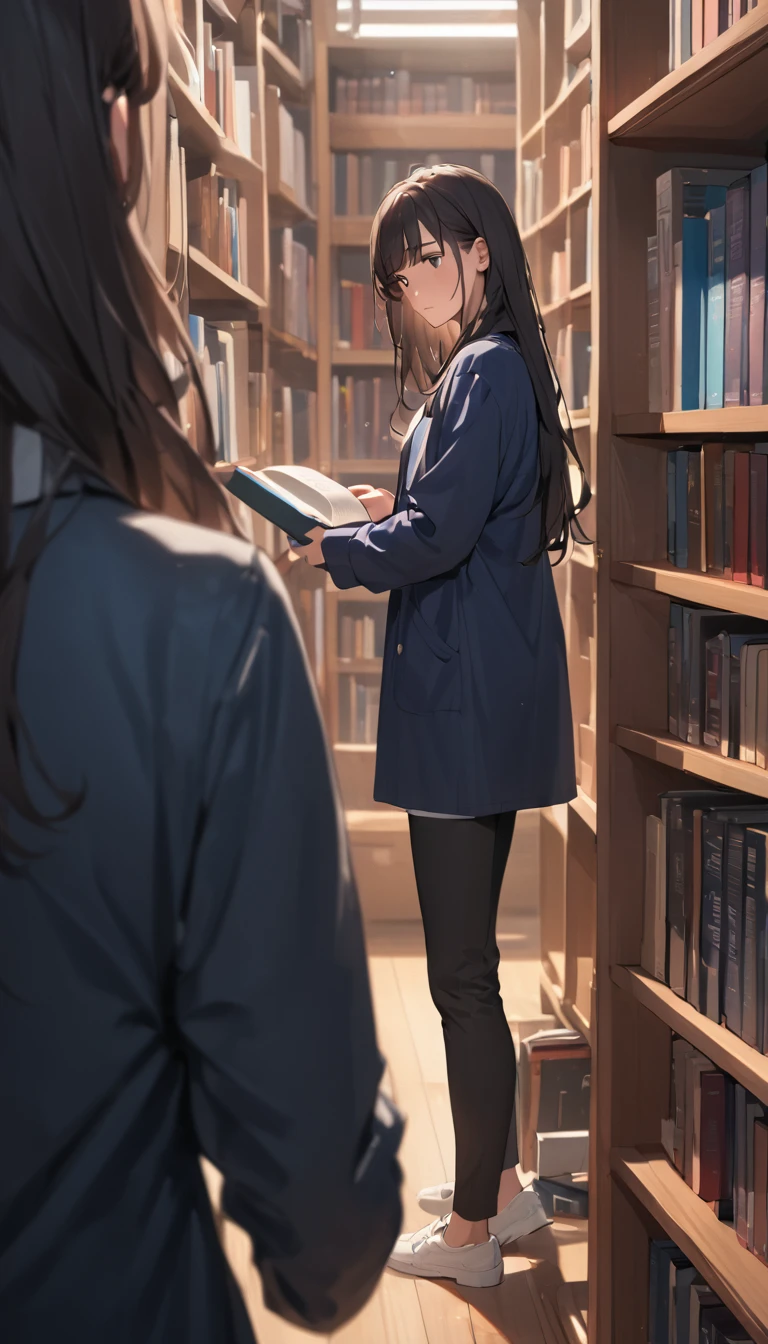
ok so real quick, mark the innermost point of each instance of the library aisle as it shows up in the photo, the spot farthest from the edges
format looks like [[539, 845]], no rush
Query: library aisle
[[543, 1297]]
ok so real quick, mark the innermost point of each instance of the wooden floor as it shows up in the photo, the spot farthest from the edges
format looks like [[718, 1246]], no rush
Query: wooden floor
[[544, 1283]]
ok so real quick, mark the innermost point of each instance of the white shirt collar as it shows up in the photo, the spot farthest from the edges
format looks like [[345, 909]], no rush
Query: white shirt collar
[[27, 465]]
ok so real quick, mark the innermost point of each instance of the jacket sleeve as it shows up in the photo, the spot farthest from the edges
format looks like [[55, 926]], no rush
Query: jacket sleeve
[[273, 1000], [447, 509]]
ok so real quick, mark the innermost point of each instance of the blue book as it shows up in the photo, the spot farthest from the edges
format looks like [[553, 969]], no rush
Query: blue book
[[295, 498], [737, 219], [671, 501], [197, 334], [681, 508], [716, 308], [695, 288]]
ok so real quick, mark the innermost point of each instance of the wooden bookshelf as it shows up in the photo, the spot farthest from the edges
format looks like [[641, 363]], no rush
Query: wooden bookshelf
[[649, 119], [203, 139], [351, 230], [280, 69], [209, 283], [736, 1275], [345, 355], [553, 87]]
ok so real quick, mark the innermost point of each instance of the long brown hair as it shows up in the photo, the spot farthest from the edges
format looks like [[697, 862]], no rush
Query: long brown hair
[[458, 205], [85, 323]]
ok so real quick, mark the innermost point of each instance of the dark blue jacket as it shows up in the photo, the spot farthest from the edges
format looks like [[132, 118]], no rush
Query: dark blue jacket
[[475, 711], [182, 969]]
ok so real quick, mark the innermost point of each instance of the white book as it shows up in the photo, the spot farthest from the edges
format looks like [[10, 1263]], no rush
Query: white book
[[299, 167], [286, 141], [243, 115]]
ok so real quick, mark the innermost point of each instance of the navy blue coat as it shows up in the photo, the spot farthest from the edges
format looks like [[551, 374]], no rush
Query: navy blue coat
[[475, 711]]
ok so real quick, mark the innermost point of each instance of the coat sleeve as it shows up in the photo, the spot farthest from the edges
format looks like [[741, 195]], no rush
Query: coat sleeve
[[446, 510], [273, 1000]]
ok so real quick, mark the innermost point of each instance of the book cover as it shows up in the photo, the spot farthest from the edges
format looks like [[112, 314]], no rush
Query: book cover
[[704, 624], [748, 699], [671, 506], [758, 514], [695, 1065], [734, 966], [696, 521], [737, 294], [760, 1222], [756, 920], [740, 1163], [691, 394], [294, 498], [757, 249], [713, 708], [740, 549], [693, 977], [681, 508], [712, 960], [716, 308], [713, 507]]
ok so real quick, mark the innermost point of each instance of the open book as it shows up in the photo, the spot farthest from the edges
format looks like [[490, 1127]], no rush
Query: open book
[[295, 499]]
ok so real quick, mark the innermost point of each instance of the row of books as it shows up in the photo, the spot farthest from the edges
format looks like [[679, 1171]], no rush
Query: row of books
[[706, 290], [222, 349], [682, 1308], [355, 327], [706, 907], [360, 637], [297, 41], [717, 1138], [286, 147], [718, 694], [573, 359], [230, 93], [358, 710], [554, 1102], [575, 170], [361, 181], [717, 511], [693, 24], [283, 17], [293, 289], [399, 93], [294, 424], [572, 265], [360, 417], [218, 223]]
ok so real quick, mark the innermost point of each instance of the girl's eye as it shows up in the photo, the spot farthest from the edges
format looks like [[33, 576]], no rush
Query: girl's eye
[[435, 261], [401, 280]]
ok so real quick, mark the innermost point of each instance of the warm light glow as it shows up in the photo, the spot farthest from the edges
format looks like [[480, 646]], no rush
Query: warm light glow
[[400, 30]]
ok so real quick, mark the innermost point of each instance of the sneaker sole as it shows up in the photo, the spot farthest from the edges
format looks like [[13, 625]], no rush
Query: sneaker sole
[[487, 1278]]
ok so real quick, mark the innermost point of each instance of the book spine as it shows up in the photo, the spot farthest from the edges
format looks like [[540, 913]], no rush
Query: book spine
[[754, 874], [729, 464], [757, 249], [733, 989], [675, 664], [712, 1137], [737, 294], [740, 1163], [681, 508], [676, 900], [671, 504], [716, 309], [740, 559], [696, 520], [758, 513], [694, 292], [711, 918], [654, 351], [666, 285], [711, 15]]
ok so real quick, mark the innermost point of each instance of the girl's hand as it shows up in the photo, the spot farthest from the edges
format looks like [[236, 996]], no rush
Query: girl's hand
[[313, 552], [379, 503]]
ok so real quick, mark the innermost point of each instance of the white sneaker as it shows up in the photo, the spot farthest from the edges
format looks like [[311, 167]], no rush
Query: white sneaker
[[521, 1216], [426, 1255]]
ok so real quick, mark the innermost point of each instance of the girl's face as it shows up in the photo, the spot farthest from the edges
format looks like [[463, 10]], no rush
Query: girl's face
[[432, 285]]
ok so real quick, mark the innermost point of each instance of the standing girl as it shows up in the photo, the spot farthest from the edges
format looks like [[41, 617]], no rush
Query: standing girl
[[475, 719]]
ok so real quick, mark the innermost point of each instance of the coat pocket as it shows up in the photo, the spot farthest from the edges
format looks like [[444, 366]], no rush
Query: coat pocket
[[427, 675]]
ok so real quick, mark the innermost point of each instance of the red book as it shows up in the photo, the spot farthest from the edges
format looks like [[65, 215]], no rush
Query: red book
[[741, 518], [761, 1191], [711, 17], [358, 324], [758, 512], [712, 1132], [697, 25]]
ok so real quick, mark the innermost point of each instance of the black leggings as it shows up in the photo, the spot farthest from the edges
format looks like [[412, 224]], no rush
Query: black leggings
[[459, 867]]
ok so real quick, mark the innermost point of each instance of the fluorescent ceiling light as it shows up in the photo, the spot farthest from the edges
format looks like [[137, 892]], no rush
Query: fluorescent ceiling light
[[399, 30]]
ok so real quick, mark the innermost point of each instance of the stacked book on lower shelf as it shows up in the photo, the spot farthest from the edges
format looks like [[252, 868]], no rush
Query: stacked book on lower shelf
[[717, 511], [682, 1308], [718, 682]]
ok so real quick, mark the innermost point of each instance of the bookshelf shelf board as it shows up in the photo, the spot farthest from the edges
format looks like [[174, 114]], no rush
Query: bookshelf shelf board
[[578, 297], [369, 358], [691, 587], [714, 99], [356, 665], [725, 1050], [351, 230], [536, 130], [580, 194], [578, 42], [203, 139], [290, 344], [724, 420], [695, 761], [281, 70], [354, 594], [443, 130], [285, 209], [733, 1272], [372, 465], [208, 283]]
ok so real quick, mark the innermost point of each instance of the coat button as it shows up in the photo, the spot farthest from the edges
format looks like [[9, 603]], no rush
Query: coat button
[[399, 648]]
